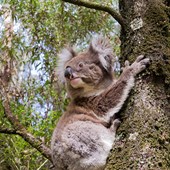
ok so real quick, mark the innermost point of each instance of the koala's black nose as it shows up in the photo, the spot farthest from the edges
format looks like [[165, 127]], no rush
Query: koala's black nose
[[68, 72]]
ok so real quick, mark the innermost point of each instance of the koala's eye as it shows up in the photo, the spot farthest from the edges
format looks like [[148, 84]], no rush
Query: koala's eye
[[91, 67], [80, 65]]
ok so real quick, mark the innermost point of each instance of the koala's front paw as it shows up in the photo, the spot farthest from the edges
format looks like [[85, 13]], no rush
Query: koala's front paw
[[138, 66]]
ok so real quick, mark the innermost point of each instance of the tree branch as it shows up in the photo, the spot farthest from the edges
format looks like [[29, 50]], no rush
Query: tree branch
[[8, 131], [19, 129], [99, 7]]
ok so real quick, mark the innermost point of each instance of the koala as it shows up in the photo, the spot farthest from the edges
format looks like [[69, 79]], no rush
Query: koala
[[86, 132]]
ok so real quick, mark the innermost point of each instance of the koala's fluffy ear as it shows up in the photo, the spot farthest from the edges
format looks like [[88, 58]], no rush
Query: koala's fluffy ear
[[65, 55], [103, 48]]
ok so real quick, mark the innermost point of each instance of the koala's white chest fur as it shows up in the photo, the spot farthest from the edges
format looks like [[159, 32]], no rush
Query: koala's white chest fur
[[85, 145]]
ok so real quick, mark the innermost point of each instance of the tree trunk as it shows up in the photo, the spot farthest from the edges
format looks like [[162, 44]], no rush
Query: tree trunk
[[143, 140]]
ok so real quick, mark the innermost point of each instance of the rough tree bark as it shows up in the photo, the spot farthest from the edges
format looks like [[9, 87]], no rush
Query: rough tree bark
[[144, 135]]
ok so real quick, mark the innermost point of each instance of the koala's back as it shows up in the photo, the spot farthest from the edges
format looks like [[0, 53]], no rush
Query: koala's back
[[83, 145]]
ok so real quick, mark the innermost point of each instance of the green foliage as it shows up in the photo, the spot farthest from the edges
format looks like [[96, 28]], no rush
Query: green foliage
[[16, 154], [41, 29]]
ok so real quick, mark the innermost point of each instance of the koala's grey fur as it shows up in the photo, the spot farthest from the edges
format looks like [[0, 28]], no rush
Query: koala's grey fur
[[86, 131]]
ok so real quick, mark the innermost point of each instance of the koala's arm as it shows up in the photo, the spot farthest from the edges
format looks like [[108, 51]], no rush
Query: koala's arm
[[115, 96]]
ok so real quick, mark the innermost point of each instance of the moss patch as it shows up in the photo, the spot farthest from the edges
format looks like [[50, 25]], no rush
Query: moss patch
[[157, 39]]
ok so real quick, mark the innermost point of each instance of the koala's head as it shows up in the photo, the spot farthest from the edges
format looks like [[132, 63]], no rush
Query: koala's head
[[87, 73]]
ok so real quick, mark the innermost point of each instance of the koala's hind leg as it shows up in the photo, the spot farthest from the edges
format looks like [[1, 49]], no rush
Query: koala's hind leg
[[115, 125]]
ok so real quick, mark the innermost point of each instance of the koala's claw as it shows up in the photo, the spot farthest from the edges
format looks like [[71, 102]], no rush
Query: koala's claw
[[145, 61], [142, 60], [139, 58]]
